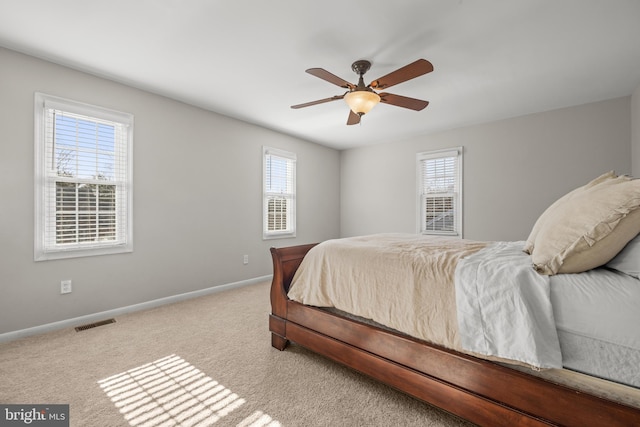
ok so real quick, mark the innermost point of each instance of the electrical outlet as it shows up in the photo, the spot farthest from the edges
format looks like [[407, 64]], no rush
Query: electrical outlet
[[245, 260], [65, 286]]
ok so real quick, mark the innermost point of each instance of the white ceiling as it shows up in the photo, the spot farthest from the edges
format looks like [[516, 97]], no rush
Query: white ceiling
[[493, 59]]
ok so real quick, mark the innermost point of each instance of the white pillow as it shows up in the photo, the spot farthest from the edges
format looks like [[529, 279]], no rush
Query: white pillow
[[528, 246], [588, 229], [628, 260]]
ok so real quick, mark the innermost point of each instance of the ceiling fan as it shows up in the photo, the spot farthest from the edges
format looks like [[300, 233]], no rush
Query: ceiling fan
[[361, 99]]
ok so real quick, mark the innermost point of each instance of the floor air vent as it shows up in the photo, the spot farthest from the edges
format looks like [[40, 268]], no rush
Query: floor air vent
[[95, 325]]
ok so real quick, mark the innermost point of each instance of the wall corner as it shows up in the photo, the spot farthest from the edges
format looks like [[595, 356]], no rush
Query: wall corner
[[635, 132]]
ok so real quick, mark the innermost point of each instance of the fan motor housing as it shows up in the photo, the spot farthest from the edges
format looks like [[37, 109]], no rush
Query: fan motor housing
[[360, 67]]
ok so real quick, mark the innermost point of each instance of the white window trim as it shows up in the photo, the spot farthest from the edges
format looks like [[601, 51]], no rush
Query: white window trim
[[449, 152], [41, 103], [268, 235]]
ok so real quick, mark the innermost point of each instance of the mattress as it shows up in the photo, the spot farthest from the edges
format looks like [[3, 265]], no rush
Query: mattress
[[597, 316]]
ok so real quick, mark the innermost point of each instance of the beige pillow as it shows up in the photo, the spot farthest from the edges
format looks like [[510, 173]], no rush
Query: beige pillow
[[528, 246], [589, 228]]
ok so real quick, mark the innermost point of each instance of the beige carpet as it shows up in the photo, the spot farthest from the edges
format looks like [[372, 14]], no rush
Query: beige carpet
[[206, 361]]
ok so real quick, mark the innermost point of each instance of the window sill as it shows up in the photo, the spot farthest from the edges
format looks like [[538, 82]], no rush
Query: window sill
[[278, 236], [77, 253]]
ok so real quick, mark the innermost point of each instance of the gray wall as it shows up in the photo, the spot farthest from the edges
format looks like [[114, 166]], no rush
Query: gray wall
[[197, 189], [197, 200], [635, 131], [513, 169]]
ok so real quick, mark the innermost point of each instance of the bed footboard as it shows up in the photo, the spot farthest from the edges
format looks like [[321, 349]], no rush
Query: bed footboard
[[285, 263]]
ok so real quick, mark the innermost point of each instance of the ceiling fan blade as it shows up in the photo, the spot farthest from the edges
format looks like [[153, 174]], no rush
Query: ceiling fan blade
[[331, 78], [319, 101], [408, 72], [403, 101], [353, 119]]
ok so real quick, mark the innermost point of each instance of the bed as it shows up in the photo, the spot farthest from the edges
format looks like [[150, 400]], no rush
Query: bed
[[487, 388]]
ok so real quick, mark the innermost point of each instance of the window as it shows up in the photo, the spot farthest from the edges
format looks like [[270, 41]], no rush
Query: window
[[440, 192], [279, 194], [83, 171]]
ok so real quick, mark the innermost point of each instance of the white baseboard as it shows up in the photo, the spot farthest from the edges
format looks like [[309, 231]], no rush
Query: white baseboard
[[90, 318]]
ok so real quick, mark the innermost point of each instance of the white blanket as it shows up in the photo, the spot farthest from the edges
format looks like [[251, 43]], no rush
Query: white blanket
[[504, 307], [402, 281]]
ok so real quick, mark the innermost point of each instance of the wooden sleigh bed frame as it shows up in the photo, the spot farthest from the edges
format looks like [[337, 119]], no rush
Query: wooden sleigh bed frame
[[478, 390]]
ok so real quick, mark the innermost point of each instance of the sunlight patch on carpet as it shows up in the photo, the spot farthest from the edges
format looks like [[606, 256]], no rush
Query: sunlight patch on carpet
[[172, 392]]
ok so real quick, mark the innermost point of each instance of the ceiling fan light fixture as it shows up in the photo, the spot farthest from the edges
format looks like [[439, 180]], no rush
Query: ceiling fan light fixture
[[361, 101], [362, 98]]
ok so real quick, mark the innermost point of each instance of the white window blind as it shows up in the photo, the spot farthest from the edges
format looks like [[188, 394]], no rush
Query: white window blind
[[83, 179], [279, 195], [440, 183]]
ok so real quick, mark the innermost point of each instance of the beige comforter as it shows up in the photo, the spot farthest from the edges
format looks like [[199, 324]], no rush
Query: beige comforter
[[373, 281]]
